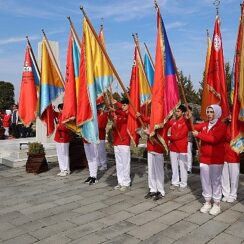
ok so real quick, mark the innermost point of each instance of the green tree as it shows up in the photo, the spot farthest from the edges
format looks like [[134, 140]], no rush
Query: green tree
[[6, 95], [228, 80], [190, 93]]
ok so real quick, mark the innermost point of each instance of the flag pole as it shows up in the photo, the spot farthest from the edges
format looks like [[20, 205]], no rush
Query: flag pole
[[32, 53], [53, 58], [136, 40], [73, 30], [149, 54], [180, 83], [111, 65]]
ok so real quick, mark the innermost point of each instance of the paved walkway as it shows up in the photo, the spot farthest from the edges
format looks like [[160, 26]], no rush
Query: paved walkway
[[48, 209]]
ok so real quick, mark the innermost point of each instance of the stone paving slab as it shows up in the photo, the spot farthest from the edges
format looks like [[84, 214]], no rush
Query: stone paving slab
[[46, 208]]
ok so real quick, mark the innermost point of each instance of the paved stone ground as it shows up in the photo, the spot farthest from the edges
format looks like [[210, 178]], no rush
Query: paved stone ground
[[48, 209]]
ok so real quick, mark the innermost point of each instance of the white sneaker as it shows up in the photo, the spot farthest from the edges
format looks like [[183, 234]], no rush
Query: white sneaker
[[114, 174], [64, 173], [117, 187], [59, 173], [231, 200], [124, 188], [215, 210], [224, 199], [206, 207]]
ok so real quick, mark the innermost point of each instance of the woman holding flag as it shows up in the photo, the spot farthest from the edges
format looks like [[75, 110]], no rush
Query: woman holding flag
[[212, 135]]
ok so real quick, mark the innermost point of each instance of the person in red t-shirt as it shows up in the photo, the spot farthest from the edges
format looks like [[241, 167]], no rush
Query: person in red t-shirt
[[62, 139], [121, 142], [231, 170], [102, 118], [178, 141], [6, 122], [212, 135]]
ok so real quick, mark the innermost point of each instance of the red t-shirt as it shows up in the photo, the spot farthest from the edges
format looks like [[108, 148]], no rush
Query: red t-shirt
[[178, 138], [102, 118], [62, 133], [120, 135]]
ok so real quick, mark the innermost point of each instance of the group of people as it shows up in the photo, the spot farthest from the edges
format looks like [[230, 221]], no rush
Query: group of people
[[12, 124], [219, 164]]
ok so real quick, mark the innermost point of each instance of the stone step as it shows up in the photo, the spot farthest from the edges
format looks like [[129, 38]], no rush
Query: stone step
[[15, 163]]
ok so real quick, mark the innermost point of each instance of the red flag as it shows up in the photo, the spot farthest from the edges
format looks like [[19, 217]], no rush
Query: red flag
[[84, 110], [237, 122], [216, 79], [132, 122], [69, 109], [48, 117], [28, 92], [165, 92]]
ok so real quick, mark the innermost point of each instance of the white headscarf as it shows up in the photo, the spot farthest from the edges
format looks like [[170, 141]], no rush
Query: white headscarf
[[8, 112], [217, 114]]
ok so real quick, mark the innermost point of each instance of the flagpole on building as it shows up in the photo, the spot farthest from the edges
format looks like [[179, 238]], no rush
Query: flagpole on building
[[149, 55], [136, 40], [53, 58], [111, 65]]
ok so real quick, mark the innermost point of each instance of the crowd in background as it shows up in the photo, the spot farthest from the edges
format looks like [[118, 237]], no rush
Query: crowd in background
[[12, 125]]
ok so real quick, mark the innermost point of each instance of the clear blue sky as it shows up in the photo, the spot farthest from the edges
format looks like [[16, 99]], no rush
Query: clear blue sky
[[186, 22]]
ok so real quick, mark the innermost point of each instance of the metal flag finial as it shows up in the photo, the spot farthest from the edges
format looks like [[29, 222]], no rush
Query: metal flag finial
[[216, 3], [155, 4]]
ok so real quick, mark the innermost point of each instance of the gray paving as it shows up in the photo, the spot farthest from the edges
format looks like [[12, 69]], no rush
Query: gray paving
[[46, 208]]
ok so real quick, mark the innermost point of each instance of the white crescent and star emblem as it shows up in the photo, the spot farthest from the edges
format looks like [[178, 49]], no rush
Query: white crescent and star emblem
[[217, 43]]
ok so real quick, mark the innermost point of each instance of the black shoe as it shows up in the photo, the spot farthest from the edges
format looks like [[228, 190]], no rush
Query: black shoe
[[150, 195], [88, 180], [93, 181], [189, 172], [157, 196]]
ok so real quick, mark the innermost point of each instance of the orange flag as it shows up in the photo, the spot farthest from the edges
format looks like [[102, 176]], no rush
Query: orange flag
[[216, 80], [205, 92], [28, 92], [132, 122], [237, 122]]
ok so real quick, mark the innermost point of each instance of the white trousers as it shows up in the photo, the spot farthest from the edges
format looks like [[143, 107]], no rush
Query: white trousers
[[211, 181], [91, 151], [156, 172], [63, 156], [102, 154], [179, 169], [122, 158], [189, 156], [230, 179], [6, 132]]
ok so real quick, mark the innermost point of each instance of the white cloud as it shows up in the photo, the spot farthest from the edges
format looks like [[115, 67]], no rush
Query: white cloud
[[12, 40], [176, 24], [123, 10]]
